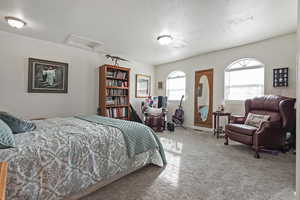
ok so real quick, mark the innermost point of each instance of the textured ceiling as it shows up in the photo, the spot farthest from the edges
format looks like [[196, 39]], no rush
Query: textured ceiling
[[130, 27]]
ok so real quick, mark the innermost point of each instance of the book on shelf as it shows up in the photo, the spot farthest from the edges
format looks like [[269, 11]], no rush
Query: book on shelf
[[109, 101], [110, 74], [117, 112], [117, 74], [116, 83], [112, 92], [116, 100]]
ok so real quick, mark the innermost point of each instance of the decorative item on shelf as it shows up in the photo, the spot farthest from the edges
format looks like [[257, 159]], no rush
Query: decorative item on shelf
[[280, 77], [115, 59], [220, 108], [46, 76], [142, 86], [223, 105]]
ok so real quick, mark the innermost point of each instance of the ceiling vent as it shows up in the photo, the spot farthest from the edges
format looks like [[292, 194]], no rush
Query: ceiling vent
[[84, 43]]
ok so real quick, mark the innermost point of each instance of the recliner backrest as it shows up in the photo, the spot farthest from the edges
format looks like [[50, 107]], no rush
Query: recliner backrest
[[271, 105], [268, 102]]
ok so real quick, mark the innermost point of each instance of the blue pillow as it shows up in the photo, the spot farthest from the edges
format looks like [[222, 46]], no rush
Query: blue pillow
[[6, 136], [17, 125]]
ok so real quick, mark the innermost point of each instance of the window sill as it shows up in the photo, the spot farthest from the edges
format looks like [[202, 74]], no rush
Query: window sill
[[234, 102]]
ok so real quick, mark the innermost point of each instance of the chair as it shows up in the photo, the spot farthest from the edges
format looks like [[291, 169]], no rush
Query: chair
[[156, 122], [270, 134], [154, 117]]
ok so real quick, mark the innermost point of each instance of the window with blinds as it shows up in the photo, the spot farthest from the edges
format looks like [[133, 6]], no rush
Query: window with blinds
[[244, 79], [175, 85]]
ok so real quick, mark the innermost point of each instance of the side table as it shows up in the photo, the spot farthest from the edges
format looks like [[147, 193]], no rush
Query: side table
[[217, 128]]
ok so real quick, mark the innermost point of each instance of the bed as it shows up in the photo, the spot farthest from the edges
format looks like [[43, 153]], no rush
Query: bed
[[67, 158]]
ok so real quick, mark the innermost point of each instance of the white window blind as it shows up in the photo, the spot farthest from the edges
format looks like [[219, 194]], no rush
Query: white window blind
[[244, 79], [175, 85]]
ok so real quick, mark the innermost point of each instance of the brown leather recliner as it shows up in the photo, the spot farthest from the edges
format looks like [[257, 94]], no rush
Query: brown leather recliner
[[270, 134]]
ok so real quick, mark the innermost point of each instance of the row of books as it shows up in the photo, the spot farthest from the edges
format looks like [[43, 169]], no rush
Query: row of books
[[111, 92], [116, 101], [117, 83], [117, 112], [117, 74]]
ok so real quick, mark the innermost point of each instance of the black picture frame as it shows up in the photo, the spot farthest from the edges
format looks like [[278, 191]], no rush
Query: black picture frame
[[45, 76], [281, 77]]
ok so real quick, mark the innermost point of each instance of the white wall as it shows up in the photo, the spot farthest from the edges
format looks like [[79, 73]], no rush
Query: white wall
[[298, 112], [280, 51], [139, 68], [82, 97]]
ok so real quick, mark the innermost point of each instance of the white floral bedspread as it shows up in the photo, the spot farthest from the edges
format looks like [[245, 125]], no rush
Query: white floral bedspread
[[66, 155]]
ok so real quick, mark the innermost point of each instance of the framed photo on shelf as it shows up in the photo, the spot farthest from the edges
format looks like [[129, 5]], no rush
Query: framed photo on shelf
[[46, 76], [142, 86]]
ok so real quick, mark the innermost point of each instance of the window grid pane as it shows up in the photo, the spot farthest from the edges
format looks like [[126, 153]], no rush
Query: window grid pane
[[175, 85], [246, 83]]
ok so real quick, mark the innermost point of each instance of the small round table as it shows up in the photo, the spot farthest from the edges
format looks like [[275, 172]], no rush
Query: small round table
[[217, 128]]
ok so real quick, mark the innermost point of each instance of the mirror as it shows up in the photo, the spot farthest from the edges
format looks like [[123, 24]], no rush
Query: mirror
[[203, 98]]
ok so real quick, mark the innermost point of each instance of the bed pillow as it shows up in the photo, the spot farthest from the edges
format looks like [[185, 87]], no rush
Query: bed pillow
[[17, 125], [6, 136], [255, 120]]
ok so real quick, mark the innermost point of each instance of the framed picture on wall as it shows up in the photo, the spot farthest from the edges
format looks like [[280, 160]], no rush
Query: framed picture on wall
[[142, 86], [281, 77], [46, 76], [160, 85]]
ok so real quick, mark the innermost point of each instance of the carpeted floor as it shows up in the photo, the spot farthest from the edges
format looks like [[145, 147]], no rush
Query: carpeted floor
[[201, 167]]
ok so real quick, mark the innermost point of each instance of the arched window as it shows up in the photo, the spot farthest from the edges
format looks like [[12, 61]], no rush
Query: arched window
[[244, 79], [175, 85]]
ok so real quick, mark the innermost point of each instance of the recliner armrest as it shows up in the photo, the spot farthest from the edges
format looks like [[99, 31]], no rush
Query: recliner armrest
[[266, 125], [288, 113], [237, 119]]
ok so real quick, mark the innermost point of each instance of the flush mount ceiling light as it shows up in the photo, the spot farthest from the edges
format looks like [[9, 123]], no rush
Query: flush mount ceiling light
[[15, 22], [164, 39]]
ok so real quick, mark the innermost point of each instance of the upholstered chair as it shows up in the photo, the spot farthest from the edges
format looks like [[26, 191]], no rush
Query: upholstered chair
[[269, 134]]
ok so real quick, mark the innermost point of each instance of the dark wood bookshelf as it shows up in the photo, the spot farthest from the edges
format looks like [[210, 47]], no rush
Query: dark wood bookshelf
[[114, 84]]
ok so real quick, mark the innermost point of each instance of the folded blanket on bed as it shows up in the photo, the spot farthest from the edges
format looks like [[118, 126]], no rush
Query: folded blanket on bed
[[138, 137]]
